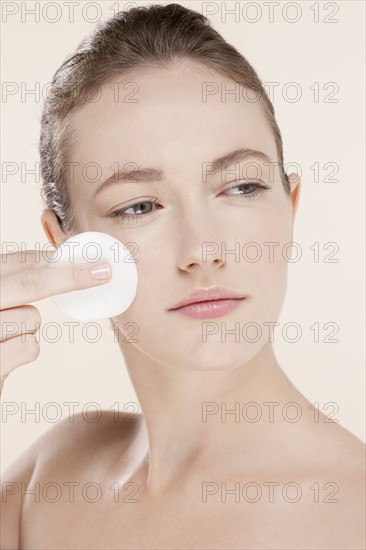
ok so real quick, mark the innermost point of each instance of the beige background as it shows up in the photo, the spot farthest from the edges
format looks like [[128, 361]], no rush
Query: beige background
[[304, 52]]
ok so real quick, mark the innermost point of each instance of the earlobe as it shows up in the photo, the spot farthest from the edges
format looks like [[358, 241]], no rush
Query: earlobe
[[52, 228], [295, 184]]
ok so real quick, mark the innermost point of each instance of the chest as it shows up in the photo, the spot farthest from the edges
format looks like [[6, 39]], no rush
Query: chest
[[124, 518]]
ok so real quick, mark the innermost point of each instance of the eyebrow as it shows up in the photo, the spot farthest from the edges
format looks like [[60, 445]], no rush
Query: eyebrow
[[153, 174]]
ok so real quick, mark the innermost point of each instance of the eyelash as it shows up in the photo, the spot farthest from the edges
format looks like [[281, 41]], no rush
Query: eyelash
[[132, 218]]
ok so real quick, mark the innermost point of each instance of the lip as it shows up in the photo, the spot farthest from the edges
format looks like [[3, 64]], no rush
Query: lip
[[210, 309], [208, 295]]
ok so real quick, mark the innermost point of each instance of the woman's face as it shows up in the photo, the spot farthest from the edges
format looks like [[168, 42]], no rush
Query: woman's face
[[195, 235]]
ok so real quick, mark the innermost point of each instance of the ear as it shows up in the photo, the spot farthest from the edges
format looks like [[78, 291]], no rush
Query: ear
[[52, 228], [295, 184]]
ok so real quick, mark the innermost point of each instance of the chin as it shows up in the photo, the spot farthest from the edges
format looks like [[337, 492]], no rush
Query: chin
[[222, 357]]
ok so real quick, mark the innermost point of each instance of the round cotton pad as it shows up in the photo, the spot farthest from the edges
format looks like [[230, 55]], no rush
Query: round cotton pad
[[102, 301]]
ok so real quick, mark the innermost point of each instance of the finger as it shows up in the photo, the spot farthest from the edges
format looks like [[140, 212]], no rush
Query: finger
[[35, 284], [18, 351], [25, 259], [18, 320]]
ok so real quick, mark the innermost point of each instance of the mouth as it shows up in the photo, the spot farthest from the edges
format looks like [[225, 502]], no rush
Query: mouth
[[212, 294], [209, 309]]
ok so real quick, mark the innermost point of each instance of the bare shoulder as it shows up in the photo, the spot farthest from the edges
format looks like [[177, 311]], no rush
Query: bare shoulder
[[347, 461], [87, 437], [92, 427], [65, 444], [339, 465], [75, 447], [343, 449], [334, 451]]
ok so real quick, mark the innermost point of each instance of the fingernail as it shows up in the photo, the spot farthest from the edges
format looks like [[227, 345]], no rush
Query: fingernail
[[100, 272]]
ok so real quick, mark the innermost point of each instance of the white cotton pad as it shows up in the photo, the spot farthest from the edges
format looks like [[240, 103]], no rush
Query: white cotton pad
[[105, 300]]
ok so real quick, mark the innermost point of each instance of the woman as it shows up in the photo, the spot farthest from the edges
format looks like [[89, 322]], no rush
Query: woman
[[191, 176]]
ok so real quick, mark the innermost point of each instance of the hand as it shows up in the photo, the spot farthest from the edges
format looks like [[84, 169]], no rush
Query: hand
[[26, 277]]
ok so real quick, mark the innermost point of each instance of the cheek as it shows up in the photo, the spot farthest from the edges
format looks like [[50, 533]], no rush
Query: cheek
[[154, 270], [261, 232], [264, 253], [268, 224]]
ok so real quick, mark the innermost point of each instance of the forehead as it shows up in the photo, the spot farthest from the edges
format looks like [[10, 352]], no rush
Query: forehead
[[168, 115]]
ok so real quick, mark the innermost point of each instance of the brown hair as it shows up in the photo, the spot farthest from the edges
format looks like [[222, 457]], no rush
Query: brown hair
[[144, 36]]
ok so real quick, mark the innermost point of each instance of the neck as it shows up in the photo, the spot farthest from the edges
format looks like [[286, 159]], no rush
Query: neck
[[203, 420]]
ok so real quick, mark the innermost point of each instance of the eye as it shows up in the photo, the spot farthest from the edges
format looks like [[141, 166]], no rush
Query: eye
[[251, 189], [139, 209], [142, 208]]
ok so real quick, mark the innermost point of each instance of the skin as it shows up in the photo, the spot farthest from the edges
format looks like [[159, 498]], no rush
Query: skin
[[168, 452]]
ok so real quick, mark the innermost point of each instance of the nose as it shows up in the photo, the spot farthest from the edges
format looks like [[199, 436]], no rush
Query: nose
[[196, 263], [200, 248]]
